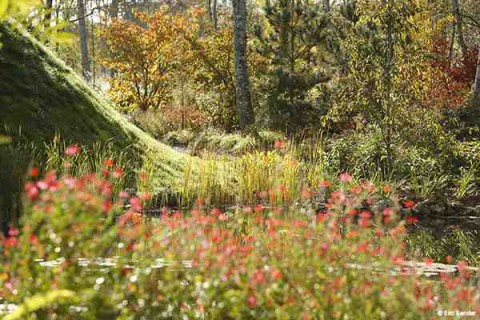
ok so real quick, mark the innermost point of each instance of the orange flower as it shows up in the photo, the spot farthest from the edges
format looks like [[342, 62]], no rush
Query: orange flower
[[34, 172], [408, 204], [109, 162], [279, 144], [324, 184]]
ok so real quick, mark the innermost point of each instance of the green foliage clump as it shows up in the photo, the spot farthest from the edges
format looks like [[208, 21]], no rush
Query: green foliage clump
[[296, 39]]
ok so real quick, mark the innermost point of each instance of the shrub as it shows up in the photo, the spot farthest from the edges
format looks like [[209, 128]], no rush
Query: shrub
[[81, 253]]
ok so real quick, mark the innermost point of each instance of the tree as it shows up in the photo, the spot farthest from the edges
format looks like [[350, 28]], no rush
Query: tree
[[242, 81], [459, 26], [48, 14], [476, 86], [82, 30], [143, 56], [295, 39], [387, 73]]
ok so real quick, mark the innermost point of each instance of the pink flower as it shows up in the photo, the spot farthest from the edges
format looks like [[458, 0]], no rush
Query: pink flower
[[32, 191], [123, 194], [345, 177], [117, 172], [72, 150], [13, 232], [136, 204], [388, 212], [252, 301]]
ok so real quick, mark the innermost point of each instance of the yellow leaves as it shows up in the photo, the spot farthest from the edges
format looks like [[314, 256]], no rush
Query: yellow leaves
[[3, 8], [41, 301], [5, 139]]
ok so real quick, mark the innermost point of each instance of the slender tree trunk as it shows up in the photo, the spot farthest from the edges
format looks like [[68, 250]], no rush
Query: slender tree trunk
[[83, 39], [387, 108], [113, 9], [215, 14], [242, 82], [326, 5], [48, 14], [209, 9], [476, 86], [452, 44], [459, 23]]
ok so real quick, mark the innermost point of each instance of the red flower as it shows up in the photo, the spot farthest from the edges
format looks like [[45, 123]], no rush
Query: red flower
[[143, 176], [258, 276], [33, 239], [107, 206], [276, 275], [34, 172], [133, 217], [412, 220], [10, 242], [109, 163], [215, 212], [409, 204], [259, 208], [72, 150], [428, 261]]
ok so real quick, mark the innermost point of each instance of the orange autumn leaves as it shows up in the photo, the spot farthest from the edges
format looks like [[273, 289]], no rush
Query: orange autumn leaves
[[144, 56]]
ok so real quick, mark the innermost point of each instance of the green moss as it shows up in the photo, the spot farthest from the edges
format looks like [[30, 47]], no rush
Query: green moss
[[40, 97]]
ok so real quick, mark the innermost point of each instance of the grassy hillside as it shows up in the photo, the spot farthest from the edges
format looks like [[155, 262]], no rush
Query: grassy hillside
[[40, 97]]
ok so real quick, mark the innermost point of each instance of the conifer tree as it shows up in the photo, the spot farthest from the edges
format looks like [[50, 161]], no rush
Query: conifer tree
[[296, 40]]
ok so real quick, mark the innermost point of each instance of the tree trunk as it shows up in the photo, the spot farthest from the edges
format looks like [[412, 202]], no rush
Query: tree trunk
[[326, 5], [459, 23], [82, 29], [452, 44], [242, 82], [113, 9], [48, 14], [476, 86], [215, 14]]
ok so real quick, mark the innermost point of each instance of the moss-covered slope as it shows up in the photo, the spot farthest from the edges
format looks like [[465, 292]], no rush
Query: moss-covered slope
[[41, 97]]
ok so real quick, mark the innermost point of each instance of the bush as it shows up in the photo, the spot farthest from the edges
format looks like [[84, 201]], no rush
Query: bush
[[81, 253]]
